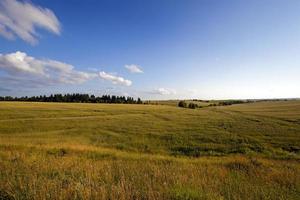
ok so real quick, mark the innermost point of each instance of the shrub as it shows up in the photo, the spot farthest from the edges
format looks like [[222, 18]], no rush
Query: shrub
[[182, 104], [193, 105]]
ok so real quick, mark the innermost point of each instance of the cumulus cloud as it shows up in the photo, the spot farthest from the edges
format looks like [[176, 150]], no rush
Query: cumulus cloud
[[25, 70], [165, 91], [134, 68], [19, 64], [114, 79], [21, 18]]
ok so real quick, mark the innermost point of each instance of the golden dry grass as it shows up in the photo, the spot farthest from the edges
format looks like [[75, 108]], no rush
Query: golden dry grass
[[98, 151]]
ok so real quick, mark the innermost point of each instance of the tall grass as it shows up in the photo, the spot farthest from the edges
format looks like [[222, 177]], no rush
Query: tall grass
[[79, 151], [47, 173]]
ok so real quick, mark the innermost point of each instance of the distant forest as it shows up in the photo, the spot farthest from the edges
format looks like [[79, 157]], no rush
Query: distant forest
[[75, 98]]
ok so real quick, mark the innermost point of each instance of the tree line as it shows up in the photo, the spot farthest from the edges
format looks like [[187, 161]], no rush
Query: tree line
[[75, 98], [192, 105], [183, 104]]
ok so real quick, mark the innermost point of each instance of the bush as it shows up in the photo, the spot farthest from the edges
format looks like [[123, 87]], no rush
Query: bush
[[193, 105], [182, 104]]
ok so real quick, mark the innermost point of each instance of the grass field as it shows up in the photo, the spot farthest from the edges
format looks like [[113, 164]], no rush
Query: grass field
[[102, 151]]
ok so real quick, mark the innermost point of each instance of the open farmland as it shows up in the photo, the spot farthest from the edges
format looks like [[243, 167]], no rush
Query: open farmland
[[106, 151]]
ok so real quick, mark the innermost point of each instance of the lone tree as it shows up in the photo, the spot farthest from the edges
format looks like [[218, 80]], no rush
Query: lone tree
[[139, 101], [182, 104]]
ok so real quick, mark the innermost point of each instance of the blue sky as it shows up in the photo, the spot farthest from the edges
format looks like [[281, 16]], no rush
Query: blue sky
[[207, 49]]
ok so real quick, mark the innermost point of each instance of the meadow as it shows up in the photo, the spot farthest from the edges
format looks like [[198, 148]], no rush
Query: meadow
[[121, 151]]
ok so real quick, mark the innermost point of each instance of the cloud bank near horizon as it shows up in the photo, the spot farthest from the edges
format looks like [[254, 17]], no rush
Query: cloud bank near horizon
[[22, 68], [21, 18]]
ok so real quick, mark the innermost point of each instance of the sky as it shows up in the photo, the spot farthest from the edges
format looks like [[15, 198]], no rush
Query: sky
[[153, 49]]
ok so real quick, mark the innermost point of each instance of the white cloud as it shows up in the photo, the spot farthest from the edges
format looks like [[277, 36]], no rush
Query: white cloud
[[114, 79], [19, 64], [27, 70], [165, 91], [20, 19], [134, 68]]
